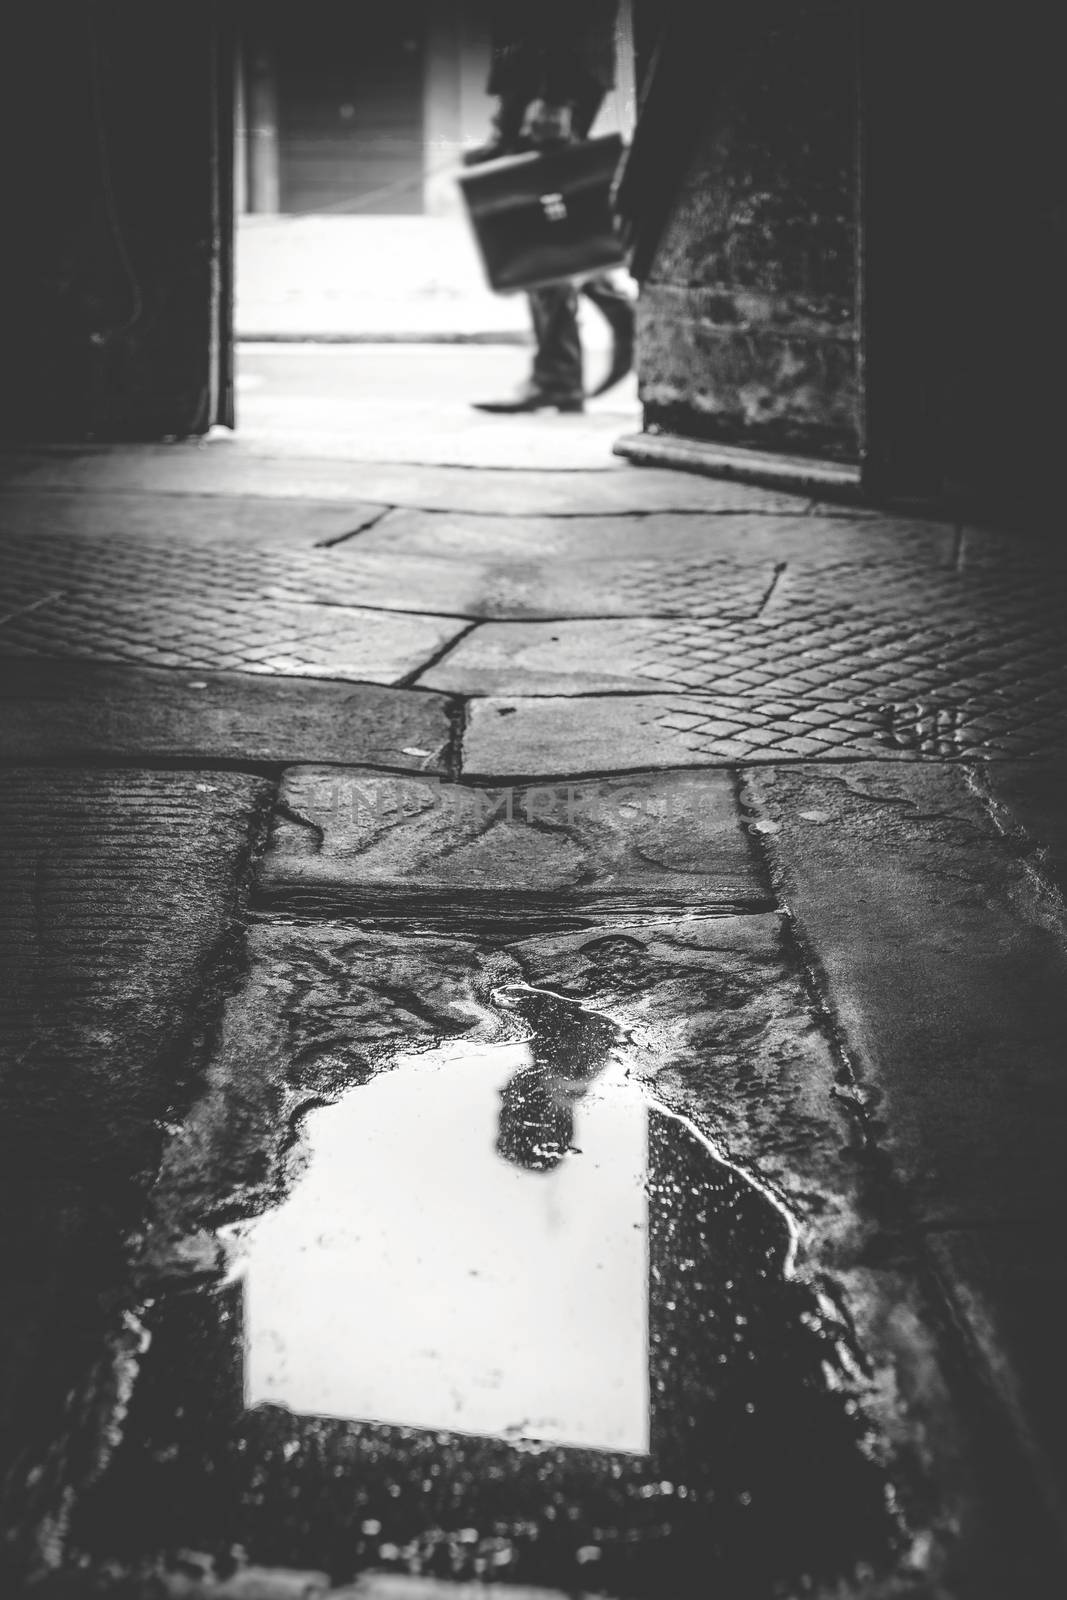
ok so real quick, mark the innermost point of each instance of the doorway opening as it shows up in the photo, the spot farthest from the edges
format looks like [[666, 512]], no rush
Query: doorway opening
[[357, 281]]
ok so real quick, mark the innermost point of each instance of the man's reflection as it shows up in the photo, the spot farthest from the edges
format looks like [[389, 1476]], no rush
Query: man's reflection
[[570, 1048]]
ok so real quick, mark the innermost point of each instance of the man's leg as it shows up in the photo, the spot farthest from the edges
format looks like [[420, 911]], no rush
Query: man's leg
[[557, 363], [555, 381], [556, 375]]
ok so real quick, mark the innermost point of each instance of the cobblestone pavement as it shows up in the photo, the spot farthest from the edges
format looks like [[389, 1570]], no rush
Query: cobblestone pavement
[[307, 757], [939, 646]]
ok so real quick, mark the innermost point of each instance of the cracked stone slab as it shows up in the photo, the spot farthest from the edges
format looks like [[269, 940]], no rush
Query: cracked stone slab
[[70, 710], [729, 535], [945, 973], [554, 658], [122, 901], [348, 844], [554, 736], [185, 519], [228, 469], [984, 660]]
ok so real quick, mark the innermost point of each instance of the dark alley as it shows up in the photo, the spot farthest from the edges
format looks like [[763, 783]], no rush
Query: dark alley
[[533, 924]]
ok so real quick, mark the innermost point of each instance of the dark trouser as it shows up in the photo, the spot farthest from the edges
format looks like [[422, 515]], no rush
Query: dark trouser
[[557, 363]]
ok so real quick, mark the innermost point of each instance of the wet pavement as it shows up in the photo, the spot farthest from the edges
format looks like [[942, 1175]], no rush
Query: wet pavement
[[512, 1318], [533, 1022]]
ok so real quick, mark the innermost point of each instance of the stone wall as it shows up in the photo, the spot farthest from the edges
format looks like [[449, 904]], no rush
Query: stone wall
[[748, 318]]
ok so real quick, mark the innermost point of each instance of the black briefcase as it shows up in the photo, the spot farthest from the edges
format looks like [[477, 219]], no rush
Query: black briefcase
[[546, 217]]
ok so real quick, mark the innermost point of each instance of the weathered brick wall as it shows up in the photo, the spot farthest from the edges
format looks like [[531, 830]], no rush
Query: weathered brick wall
[[748, 320]]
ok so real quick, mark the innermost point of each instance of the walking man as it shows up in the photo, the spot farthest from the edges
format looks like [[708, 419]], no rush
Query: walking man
[[553, 63]]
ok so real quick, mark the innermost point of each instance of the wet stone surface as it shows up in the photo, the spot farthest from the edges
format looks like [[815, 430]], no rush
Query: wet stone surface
[[227, 605], [507, 1317], [745, 533], [720, 1027], [76, 710], [121, 896], [397, 846]]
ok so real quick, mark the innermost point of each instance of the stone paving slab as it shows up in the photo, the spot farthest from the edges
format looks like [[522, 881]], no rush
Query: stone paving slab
[[294, 639], [942, 644], [563, 657], [121, 897], [989, 595], [551, 736], [943, 966], [537, 587], [944, 662], [121, 888], [71, 710], [730, 534], [945, 977], [403, 847], [183, 519], [226, 468], [553, 658], [222, 606]]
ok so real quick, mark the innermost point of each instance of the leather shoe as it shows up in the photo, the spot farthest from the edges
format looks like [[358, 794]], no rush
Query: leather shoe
[[531, 398]]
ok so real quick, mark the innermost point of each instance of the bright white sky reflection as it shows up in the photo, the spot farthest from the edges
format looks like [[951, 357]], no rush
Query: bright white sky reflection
[[415, 1277]]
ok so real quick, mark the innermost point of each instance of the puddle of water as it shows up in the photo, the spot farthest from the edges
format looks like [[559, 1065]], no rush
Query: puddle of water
[[513, 1318], [420, 1274]]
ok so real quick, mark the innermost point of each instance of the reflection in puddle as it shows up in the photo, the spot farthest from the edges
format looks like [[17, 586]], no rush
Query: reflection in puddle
[[438, 1264], [512, 1319]]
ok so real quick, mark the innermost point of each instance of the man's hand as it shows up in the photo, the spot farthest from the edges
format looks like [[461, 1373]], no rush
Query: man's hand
[[547, 122]]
